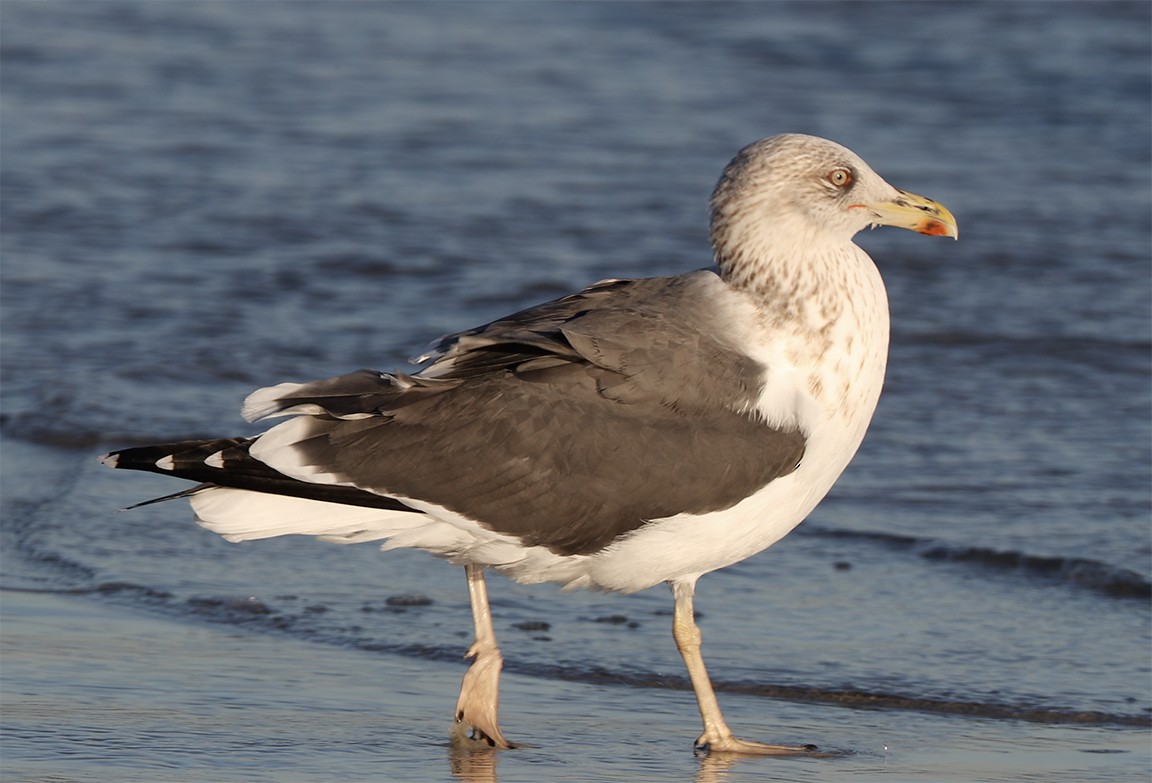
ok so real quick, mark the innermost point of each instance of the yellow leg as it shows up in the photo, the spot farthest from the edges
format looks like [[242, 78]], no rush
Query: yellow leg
[[717, 737], [479, 702]]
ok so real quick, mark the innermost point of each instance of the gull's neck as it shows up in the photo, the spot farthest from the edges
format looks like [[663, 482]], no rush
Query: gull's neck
[[786, 261], [822, 311]]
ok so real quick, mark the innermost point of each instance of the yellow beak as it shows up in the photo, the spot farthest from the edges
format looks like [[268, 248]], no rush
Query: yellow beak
[[915, 213]]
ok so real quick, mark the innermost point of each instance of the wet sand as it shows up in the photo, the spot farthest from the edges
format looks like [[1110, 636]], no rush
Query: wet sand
[[97, 692]]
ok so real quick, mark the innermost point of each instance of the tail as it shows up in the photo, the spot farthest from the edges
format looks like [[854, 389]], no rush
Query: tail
[[226, 462], [241, 498]]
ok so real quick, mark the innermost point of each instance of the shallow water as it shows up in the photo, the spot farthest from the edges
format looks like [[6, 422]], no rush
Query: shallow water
[[199, 200]]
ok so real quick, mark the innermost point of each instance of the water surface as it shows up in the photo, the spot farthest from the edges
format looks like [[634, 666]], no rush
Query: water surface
[[201, 199]]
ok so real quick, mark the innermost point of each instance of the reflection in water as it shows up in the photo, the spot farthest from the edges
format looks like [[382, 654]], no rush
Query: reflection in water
[[715, 767], [472, 762], [475, 762]]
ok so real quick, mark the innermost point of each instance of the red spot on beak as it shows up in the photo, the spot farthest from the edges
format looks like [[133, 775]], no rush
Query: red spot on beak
[[932, 227]]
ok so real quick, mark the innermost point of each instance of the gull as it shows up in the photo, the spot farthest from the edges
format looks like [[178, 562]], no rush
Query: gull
[[637, 432]]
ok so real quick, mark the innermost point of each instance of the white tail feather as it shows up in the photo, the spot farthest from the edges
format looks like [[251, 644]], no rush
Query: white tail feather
[[242, 515]]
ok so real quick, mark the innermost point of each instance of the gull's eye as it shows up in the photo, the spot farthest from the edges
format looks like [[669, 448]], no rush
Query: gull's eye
[[840, 178]]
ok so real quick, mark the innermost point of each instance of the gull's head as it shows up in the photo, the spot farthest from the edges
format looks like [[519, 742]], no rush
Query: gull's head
[[807, 192]]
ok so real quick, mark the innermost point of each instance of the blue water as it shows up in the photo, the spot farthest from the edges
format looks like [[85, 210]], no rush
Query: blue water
[[199, 199]]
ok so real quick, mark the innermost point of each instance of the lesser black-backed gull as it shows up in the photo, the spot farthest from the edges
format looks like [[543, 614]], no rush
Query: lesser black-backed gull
[[638, 432]]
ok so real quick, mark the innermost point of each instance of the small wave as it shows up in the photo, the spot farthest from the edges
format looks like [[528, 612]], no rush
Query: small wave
[[1102, 578], [1130, 353], [142, 592], [67, 432], [51, 432], [873, 700], [856, 698]]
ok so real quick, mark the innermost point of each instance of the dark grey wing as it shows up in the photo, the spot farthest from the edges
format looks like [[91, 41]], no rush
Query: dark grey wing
[[566, 425], [652, 333], [534, 333]]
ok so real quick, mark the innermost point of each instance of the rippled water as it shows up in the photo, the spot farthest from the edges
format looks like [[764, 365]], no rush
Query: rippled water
[[200, 199]]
